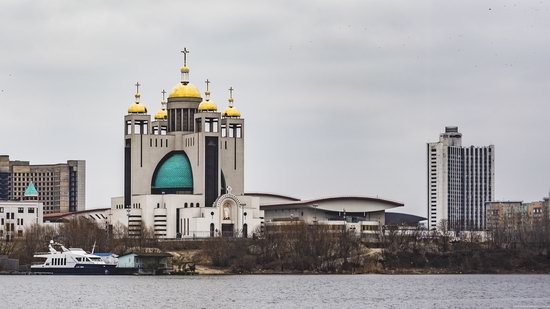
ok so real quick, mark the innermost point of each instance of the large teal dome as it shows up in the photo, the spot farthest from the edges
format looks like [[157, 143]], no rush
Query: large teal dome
[[173, 172]]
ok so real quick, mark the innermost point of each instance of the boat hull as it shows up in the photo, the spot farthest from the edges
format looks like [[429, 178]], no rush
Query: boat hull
[[79, 269]]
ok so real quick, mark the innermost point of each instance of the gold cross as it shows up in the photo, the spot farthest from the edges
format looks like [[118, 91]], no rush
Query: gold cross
[[163, 94], [184, 52], [137, 87], [207, 83], [231, 92]]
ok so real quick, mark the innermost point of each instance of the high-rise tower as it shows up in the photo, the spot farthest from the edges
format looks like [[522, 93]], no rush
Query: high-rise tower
[[460, 180]]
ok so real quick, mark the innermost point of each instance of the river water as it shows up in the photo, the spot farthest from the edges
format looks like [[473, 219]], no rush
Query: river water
[[277, 291]]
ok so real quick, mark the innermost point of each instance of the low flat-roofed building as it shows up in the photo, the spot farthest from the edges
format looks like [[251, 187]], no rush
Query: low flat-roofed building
[[512, 214], [98, 215], [504, 213], [143, 263], [362, 214], [16, 216]]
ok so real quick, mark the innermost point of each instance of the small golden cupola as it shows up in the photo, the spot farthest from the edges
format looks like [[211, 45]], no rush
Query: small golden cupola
[[184, 89], [162, 114], [207, 105], [231, 111], [137, 107]]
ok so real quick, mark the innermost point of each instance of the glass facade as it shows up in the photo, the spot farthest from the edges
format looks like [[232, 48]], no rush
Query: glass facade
[[174, 172]]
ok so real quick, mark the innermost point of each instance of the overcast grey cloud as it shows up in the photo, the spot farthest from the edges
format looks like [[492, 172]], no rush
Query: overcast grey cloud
[[339, 97]]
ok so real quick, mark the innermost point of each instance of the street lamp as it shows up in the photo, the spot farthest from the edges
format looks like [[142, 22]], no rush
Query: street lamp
[[241, 206], [315, 214], [128, 225]]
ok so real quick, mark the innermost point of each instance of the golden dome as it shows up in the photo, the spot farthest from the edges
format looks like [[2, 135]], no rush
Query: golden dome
[[231, 111], [185, 91], [208, 106], [184, 69], [161, 115], [137, 108]]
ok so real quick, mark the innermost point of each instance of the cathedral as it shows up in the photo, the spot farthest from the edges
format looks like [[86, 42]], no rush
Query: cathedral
[[184, 168]]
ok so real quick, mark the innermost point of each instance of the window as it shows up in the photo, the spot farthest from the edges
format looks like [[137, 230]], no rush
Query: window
[[30, 210], [20, 210], [1, 210]]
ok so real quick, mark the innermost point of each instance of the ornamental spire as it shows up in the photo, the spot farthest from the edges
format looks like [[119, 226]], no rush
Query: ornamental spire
[[184, 69], [137, 95], [231, 96], [207, 92], [163, 102]]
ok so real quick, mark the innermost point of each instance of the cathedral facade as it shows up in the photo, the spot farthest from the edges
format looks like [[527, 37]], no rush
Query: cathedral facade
[[184, 168]]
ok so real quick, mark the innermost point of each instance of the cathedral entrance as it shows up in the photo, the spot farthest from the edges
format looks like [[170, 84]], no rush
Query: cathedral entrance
[[227, 229]]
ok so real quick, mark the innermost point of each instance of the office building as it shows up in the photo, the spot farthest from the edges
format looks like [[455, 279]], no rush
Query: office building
[[62, 186]]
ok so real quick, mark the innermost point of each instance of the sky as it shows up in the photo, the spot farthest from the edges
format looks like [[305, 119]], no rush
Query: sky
[[339, 97]]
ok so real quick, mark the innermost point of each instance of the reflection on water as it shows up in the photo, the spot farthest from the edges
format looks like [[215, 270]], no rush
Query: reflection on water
[[276, 291]]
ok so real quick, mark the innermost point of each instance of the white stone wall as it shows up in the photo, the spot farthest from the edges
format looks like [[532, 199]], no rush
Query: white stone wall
[[197, 218], [10, 214], [437, 184]]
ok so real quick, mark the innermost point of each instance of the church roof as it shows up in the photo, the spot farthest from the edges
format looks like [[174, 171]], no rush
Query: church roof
[[31, 190]]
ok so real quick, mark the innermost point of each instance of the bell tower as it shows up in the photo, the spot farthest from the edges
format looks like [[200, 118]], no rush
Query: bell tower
[[207, 128], [232, 148], [136, 129]]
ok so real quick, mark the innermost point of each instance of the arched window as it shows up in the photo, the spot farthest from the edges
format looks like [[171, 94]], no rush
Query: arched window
[[173, 175]]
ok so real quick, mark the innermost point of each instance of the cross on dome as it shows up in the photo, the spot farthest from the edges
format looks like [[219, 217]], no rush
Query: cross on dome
[[207, 92], [231, 96], [137, 95], [185, 52]]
